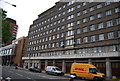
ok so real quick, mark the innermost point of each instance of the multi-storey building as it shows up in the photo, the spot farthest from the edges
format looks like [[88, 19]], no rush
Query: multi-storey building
[[13, 29], [85, 32]]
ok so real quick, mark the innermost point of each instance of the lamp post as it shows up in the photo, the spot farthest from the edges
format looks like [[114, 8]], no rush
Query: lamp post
[[8, 3]]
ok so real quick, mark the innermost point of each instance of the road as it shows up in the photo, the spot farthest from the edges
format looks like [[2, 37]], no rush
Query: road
[[25, 75]]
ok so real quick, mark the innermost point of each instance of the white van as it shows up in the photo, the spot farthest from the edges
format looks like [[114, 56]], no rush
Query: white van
[[54, 70]]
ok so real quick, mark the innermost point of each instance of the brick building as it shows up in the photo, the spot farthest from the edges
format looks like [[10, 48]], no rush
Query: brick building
[[20, 50]]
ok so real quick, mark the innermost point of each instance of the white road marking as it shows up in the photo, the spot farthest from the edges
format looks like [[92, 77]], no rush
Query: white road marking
[[8, 79], [28, 78], [19, 74]]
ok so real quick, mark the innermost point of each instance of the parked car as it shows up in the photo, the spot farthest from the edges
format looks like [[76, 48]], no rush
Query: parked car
[[54, 70], [35, 69]]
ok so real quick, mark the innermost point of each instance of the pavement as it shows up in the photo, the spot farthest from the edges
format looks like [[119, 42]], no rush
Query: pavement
[[67, 75]]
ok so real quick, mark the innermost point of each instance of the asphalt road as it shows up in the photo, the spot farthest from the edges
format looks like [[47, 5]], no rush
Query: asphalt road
[[25, 75]]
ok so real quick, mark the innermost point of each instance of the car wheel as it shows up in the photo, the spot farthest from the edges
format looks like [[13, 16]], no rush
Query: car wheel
[[96, 79], [62, 74], [56, 74]]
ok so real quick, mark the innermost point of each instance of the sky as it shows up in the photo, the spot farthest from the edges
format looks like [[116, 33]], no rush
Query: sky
[[25, 12]]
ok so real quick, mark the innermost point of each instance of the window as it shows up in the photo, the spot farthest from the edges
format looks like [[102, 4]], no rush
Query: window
[[49, 38], [85, 39], [69, 33], [46, 39], [69, 42], [92, 27], [112, 48], [100, 25], [118, 21], [50, 31], [108, 12], [64, 6], [58, 35], [101, 37], [110, 35], [53, 37], [58, 21], [78, 21], [92, 8], [92, 38], [57, 44], [92, 18], [55, 16], [53, 44], [63, 13], [85, 29], [70, 24], [99, 15], [109, 23], [84, 11], [63, 20], [78, 6], [60, 8], [117, 10], [62, 34], [79, 13], [71, 9], [59, 15], [100, 49], [107, 3], [78, 40], [99, 6], [70, 17], [85, 20], [54, 30], [78, 31], [84, 3], [61, 43], [94, 50], [118, 33], [70, 3], [62, 27]]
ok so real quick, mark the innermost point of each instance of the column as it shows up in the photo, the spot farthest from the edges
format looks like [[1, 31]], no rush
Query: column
[[39, 64], [53, 62], [63, 66], [89, 61], [108, 68], [46, 63], [32, 64], [29, 64]]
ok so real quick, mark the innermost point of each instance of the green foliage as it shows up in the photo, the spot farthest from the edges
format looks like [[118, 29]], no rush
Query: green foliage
[[4, 14], [6, 33]]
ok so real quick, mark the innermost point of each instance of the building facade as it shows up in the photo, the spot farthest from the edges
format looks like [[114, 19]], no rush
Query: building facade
[[13, 29], [20, 50], [7, 54], [12, 54], [84, 32]]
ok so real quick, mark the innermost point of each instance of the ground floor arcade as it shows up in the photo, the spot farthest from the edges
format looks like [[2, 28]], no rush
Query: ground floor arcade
[[109, 66]]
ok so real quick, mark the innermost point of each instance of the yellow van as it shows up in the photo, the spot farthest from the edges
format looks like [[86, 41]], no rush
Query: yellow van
[[87, 71]]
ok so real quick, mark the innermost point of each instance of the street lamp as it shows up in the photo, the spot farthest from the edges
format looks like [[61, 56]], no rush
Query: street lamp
[[8, 3]]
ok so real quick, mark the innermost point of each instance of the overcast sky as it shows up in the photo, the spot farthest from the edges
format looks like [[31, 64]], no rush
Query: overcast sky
[[25, 12]]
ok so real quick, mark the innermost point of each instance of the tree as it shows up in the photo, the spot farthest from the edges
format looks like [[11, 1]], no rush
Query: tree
[[6, 33]]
